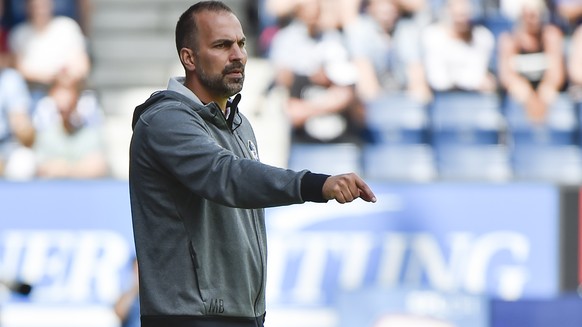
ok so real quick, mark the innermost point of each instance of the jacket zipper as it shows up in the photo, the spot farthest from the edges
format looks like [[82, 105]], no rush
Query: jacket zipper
[[247, 155]]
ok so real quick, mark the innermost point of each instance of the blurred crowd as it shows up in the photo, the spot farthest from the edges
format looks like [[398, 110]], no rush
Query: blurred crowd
[[49, 120], [339, 58], [525, 48]]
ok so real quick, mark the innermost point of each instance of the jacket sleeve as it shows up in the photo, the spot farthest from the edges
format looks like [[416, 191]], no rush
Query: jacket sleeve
[[181, 143]]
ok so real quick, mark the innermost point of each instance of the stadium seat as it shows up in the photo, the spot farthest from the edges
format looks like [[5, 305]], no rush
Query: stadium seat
[[475, 163], [325, 158], [413, 163], [496, 23], [561, 127], [396, 119], [558, 164], [465, 118]]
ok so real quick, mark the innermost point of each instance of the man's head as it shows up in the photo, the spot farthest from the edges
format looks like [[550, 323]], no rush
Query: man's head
[[40, 12], [309, 12], [460, 13], [384, 12], [211, 46], [65, 97]]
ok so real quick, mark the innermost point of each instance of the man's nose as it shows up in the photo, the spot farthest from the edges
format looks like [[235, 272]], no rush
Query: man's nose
[[238, 53]]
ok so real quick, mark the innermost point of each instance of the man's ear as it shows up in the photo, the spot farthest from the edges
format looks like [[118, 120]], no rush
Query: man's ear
[[187, 59]]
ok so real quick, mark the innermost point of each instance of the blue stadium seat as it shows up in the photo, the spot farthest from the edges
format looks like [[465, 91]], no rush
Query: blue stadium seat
[[326, 158], [558, 164], [561, 127], [465, 118], [413, 163], [475, 163], [497, 24], [396, 119]]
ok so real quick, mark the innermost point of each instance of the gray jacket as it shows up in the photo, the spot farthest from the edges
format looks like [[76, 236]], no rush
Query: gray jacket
[[197, 195]]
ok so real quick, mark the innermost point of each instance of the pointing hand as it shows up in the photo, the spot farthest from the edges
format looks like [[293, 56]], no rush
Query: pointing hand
[[346, 188]]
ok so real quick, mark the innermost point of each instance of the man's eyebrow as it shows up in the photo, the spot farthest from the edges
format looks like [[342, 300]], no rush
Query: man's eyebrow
[[229, 41]]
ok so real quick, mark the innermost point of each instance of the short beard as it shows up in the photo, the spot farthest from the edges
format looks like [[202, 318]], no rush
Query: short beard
[[218, 83]]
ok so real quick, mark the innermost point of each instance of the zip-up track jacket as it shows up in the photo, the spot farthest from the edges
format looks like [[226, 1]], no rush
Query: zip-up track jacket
[[197, 195]]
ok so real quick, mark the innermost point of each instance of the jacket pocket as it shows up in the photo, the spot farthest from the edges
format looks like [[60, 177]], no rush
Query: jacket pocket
[[200, 282]]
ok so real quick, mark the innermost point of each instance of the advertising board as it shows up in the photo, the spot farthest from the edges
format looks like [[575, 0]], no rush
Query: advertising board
[[73, 242]]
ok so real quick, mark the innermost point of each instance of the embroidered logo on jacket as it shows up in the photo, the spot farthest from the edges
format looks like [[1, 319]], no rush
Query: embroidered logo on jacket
[[253, 150], [216, 306]]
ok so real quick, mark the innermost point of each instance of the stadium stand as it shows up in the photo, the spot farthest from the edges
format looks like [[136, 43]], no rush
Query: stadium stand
[[332, 159], [407, 162], [396, 118], [465, 118], [560, 128]]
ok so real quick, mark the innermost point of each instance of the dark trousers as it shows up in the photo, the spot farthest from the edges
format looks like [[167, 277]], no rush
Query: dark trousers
[[195, 321]]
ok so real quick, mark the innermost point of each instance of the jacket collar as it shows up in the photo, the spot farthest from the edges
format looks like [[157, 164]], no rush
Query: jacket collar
[[176, 84]]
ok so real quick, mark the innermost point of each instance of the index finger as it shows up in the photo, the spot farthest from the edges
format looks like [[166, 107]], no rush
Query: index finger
[[366, 192]]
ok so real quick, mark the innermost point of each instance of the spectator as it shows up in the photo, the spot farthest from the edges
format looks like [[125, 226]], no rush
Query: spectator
[[385, 52], [46, 46], [313, 64], [17, 133], [69, 142], [531, 60], [457, 53]]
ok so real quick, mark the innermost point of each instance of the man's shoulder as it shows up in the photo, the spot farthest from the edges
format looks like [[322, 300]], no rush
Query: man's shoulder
[[170, 102], [482, 35], [64, 22]]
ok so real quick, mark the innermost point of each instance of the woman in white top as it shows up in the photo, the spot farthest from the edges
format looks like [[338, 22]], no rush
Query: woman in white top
[[531, 61]]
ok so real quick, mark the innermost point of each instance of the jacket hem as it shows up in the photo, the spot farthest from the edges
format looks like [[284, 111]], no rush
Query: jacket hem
[[200, 321]]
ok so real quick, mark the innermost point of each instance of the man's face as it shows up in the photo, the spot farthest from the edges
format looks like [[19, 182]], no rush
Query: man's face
[[460, 11], [384, 12], [221, 56], [66, 100], [40, 9]]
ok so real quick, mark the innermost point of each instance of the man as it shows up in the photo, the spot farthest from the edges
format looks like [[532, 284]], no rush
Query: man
[[197, 188], [69, 142]]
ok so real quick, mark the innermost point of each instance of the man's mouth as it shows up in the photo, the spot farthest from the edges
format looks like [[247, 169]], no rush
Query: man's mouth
[[235, 74], [235, 70]]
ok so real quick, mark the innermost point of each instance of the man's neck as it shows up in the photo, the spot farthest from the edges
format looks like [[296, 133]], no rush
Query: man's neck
[[205, 97]]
